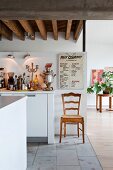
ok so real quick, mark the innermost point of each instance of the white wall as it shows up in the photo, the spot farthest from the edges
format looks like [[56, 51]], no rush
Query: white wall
[[99, 45], [43, 52], [40, 45]]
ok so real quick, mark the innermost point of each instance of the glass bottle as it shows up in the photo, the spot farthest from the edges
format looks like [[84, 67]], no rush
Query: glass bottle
[[36, 82]]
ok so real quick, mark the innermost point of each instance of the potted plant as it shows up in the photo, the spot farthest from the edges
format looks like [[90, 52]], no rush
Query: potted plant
[[105, 87]]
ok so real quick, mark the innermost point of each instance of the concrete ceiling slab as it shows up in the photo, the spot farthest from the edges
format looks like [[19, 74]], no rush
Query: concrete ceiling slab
[[56, 9]]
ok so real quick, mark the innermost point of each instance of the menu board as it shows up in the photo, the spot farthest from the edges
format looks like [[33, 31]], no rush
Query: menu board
[[71, 71]]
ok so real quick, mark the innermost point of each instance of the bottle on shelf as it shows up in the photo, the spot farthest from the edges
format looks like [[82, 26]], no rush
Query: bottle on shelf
[[19, 82], [15, 83], [23, 82], [2, 80], [32, 85], [10, 85], [28, 82], [36, 84]]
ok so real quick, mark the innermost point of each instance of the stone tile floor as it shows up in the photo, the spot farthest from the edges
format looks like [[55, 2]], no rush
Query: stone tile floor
[[71, 154]]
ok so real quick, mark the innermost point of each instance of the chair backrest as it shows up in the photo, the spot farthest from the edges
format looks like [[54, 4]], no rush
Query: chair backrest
[[76, 102]]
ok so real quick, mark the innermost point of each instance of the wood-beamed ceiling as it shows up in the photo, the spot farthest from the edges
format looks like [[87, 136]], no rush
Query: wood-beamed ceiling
[[78, 29], [27, 28], [68, 29], [5, 31], [42, 28], [15, 27], [55, 29]]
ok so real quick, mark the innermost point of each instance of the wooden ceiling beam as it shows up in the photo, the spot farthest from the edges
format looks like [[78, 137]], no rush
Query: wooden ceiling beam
[[42, 28], [78, 30], [55, 29], [28, 28], [68, 30], [6, 32], [12, 25]]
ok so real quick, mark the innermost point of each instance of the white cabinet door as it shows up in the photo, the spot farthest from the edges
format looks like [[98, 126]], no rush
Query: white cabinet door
[[37, 116]]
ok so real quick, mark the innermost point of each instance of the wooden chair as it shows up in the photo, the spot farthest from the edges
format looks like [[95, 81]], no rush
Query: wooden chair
[[71, 118]]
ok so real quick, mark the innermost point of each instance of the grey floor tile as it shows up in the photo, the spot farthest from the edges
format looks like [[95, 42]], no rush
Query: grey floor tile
[[89, 163], [68, 168], [65, 146], [32, 148], [46, 152], [47, 168], [85, 150], [44, 161], [67, 139], [53, 147], [67, 157], [32, 168], [89, 168], [71, 140], [30, 159], [80, 141], [42, 168]]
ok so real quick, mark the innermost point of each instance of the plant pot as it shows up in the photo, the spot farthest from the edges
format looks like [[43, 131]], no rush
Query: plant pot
[[106, 91]]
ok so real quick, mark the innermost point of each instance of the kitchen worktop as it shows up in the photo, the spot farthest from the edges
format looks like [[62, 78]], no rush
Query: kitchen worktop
[[13, 132], [24, 92], [40, 127], [4, 101]]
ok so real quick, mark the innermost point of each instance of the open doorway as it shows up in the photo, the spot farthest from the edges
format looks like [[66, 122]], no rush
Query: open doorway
[[99, 59]]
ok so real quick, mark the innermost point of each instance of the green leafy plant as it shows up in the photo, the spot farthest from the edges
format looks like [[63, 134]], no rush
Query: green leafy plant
[[106, 86]]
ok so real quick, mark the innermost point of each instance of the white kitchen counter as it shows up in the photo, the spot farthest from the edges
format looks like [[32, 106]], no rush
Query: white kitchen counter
[[5, 92], [13, 153], [40, 113]]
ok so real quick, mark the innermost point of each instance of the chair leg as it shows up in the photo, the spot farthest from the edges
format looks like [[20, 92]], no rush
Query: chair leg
[[83, 132], [78, 129], [60, 130], [64, 129]]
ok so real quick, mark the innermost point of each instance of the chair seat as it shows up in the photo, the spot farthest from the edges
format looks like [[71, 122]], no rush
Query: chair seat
[[72, 118]]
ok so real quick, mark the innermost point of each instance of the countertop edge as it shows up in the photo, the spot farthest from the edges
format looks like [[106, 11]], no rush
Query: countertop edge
[[27, 92], [6, 101]]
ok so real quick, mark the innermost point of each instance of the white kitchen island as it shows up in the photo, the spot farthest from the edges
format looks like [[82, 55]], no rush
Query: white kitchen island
[[40, 114], [13, 153]]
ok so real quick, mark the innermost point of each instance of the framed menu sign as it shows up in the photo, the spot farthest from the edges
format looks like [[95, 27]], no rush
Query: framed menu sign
[[71, 71]]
